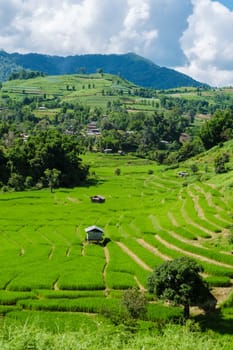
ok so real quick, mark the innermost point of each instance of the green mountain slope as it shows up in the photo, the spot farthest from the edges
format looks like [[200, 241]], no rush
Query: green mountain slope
[[135, 68], [7, 66]]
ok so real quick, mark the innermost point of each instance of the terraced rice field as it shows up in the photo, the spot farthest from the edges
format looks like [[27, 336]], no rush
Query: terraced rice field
[[46, 264]]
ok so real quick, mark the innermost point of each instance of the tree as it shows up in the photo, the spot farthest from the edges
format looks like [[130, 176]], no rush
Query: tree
[[16, 181], [220, 163], [135, 302], [83, 70], [47, 149], [4, 172], [100, 71], [52, 176], [190, 149], [118, 171], [194, 168], [179, 281], [217, 129]]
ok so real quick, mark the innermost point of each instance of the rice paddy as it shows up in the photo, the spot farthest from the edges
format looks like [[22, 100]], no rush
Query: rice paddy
[[48, 267]]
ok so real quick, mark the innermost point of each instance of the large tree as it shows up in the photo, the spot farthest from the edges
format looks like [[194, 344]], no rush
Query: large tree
[[52, 176], [46, 150], [217, 129], [180, 282]]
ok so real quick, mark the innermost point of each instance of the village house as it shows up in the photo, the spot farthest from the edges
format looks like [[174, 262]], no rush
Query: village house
[[92, 129], [184, 137]]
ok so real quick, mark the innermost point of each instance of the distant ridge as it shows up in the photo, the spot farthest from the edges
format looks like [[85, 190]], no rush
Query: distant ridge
[[130, 66]]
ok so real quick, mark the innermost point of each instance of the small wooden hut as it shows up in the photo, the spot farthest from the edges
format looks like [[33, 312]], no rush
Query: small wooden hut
[[97, 199], [94, 234]]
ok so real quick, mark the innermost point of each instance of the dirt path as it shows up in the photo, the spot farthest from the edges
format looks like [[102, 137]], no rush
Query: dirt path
[[107, 259], [152, 249], [154, 221], [178, 236], [185, 240], [202, 216], [141, 287], [196, 256], [223, 219], [207, 196], [197, 207], [195, 243], [51, 252], [193, 223], [22, 252], [73, 200], [221, 294], [134, 257], [68, 251], [55, 285], [172, 219], [45, 238], [83, 249], [209, 199], [200, 211]]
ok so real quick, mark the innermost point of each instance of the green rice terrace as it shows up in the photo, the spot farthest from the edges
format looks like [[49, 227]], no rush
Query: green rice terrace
[[51, 275], [95, 90]]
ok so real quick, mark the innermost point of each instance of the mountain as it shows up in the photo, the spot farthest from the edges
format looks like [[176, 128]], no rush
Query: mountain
[[130, 66], [7, 66]]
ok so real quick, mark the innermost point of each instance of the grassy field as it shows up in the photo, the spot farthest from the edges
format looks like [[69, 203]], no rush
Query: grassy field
[[94, 336], [150, 215]]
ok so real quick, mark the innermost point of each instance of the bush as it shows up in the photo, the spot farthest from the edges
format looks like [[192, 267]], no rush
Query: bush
[[135, 302], [16, 181], [5, 189], [117, 171], [220, 163], [230, 239]]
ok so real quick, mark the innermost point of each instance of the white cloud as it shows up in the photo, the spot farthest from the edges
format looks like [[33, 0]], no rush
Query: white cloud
[[149, 27], [207, 43], [137, 32], [194, 35], [72, 27]]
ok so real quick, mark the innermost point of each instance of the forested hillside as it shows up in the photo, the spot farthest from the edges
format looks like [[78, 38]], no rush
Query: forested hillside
[[7, 66], [130, 66]]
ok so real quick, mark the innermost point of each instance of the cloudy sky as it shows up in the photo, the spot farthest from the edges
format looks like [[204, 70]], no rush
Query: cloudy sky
[[193, 36]]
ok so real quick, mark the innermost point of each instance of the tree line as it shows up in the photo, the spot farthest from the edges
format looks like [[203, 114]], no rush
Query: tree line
[[47, 158], [25, 74]]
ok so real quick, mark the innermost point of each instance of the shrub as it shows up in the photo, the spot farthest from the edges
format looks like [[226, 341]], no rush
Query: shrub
[[117, 171], [135, 302], [220, 163]]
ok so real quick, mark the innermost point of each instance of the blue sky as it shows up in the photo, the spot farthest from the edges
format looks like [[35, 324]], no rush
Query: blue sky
[[192, 36], [227, 3]]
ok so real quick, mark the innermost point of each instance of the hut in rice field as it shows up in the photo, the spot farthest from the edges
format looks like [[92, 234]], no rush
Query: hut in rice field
[[94, 234]]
